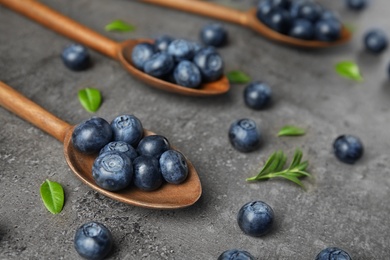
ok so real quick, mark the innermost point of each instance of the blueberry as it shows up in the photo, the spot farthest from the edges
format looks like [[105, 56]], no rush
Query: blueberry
[[93, 241], [187, 74], [257, 95], [326, 14], [153, 145], [162, 42], [327, 30], [214, 35], [356, 5], [173, 166], [141, 53], [255, 218], [295, 6], [209, 63], [348, 148], [333, 253], [375, 41], [264, 8], [127, 128], [159, 65], [181, 49], [92, 135], [279, 20], [122, 147], [147, 175], [302, 29], [284, 4], [235, 254], [76, 57], [244, 135], [112, 171], [310, 11]]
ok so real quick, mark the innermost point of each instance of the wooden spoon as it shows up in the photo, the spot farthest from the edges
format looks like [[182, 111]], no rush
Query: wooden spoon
[[118, 51], [168, 196], [247, 19]]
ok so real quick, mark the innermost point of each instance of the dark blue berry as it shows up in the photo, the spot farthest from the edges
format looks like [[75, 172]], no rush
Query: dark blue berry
[[93, 241], [76, 57], [92, 135], [356, 5], [348, 148], [295, 6], [244, 135], [141, 53], [333, 253], [127, 128], [173, 166], [326, 14], [264, 8], [159, 65], [284, 4], [235, 254], [310, 11], [279, 20], [147, 175], [162, 42], [257, 95], [255, 218], [181, 49], [302, 29], [153, 145], [214, 35], [122, 147], [375, 41], [209, 63], [112, 171], [187, 74], [327, 30]]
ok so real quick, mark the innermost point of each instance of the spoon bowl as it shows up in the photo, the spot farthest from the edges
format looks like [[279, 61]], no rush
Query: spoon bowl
[[118, 51], [168, 196]]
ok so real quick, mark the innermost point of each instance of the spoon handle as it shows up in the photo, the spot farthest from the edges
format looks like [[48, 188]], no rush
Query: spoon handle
[[18, 104], [63, 25], [204, 8]]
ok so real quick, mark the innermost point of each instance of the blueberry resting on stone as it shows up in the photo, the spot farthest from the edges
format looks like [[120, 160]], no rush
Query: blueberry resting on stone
[[141, 53], [356, 5], [257, 95], [162, 42], [187, 74], [147, 175], [76, 57], [328, 30], [302, 29], [122, 147], [159, 65], [279, 20], [93, 241], [214, 35], [210, 64], [255, 218], [244, 135], [112, 171], [127, 128], [181, 49], [153, 145], [375, 41], [348, 148], [91, 135], [235, 254], [173, 166], [333, 253]]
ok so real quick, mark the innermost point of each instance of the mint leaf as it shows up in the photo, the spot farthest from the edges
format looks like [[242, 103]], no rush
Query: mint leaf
[[119, 26], [238, 77], [52, 195], [349, 70], [290, 130], [90, 99]]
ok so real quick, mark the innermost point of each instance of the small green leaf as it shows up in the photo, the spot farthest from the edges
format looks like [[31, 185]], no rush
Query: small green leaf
[[290, 130], [90, 99], [238, 77], [52, 195], [119, 26], [349, 70]]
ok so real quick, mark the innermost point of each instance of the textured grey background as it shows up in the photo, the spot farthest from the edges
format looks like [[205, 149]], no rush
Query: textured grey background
[[345, 206]]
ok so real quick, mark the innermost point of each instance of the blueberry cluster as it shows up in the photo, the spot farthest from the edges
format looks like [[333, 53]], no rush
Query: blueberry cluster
[[179, 61], [302, 19], [126, 156]]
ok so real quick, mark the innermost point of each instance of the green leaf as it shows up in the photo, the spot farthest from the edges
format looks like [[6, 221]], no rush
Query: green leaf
[[238, 77], [90, 99], [52, 195], [119, 26], [290, 130], [349, 70], [296, 159]]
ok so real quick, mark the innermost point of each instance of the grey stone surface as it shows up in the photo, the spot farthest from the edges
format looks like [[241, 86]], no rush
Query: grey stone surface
[[345, 206]]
